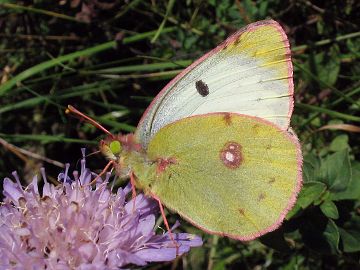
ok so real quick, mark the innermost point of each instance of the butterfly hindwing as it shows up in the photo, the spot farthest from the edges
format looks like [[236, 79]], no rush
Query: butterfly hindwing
[[227, 173], [249, 73]]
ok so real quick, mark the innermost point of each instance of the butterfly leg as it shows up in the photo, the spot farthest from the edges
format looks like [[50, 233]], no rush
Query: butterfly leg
[[167, 224], [110, 163], [133, 190]]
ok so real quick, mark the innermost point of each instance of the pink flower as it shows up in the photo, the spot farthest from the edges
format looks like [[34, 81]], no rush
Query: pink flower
[[75, 226]]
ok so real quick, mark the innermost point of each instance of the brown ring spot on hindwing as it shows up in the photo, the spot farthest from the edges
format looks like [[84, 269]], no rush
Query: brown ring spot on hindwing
[[231, 155], [202, 88]]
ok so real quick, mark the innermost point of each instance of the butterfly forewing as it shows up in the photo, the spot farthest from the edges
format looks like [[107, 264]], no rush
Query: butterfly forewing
[[229, 174], [250, 73]]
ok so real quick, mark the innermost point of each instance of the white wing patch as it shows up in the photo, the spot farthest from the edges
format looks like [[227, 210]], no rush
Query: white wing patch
[[225, 82], [235, 85]]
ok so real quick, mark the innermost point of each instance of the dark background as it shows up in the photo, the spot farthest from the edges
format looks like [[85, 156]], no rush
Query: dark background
[[146, 44]]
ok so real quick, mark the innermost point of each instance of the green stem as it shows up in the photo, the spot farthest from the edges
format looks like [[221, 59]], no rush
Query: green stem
[[329, 112], [51, 63], [162, 25], [44, 138], [335, 90], [349, 94], [71, 56], [212, 253], [40, 11], [326, 41]]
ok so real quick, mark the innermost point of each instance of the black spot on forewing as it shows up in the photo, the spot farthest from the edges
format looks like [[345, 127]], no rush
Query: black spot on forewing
[[202, 88]]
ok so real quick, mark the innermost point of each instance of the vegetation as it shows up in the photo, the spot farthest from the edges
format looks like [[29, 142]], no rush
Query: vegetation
[[110, 58]]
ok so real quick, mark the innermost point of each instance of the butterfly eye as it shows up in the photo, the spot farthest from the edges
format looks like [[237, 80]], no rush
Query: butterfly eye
[[115, 147]]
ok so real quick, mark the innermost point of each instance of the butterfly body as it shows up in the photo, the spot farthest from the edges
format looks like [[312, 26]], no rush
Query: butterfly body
[[215, 144], [224, 174]]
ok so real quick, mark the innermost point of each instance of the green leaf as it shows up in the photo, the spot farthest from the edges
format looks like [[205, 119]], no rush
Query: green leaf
[[350, 234], [350, 240], [335, 171], [310, 166], [320, 27], [340, 142], [292, 263], [220, 265], [328, 65], [352, 192], [293, 212], [329, 209], [310, 192], [332, 235], [324, 197]]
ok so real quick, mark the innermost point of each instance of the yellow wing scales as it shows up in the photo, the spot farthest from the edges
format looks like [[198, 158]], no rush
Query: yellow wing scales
[[232, 174], [267, 44]]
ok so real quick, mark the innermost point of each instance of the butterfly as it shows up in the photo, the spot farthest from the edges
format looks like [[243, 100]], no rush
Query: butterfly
[[215, 145]]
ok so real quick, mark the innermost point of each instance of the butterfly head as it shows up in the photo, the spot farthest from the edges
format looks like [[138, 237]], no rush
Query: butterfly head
[[115, 146], [111, 150]]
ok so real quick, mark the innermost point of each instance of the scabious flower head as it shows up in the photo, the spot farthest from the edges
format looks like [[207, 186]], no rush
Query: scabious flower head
[[75, 226]]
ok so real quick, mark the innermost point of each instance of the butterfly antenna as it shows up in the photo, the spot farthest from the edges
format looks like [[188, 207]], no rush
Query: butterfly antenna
[[86, 156], [93, 153], [74, 111]]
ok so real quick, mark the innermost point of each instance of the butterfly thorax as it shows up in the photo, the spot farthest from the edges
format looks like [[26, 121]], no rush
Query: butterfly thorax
[[129, 157]]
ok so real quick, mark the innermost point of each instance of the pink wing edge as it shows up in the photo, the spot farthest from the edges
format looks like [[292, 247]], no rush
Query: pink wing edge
[[293, 138], [248, 28]]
